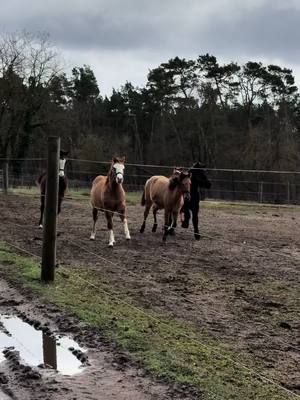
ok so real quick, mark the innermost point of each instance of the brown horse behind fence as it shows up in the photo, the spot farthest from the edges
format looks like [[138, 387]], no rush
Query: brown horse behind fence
[[168, 194], [62, 186], [108, 195]]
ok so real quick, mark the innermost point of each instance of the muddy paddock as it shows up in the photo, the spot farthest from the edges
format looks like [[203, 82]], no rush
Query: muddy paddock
[[240, 282]]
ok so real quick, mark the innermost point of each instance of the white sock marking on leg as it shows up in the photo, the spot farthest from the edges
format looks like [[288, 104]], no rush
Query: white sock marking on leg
[[126, 230], [111, 240]]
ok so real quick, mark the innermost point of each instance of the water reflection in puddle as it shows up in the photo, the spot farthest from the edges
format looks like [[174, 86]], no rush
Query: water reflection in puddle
[[36, 347]]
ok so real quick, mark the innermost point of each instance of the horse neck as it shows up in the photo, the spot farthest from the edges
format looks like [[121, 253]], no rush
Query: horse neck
[[194, 185], [176, 193]]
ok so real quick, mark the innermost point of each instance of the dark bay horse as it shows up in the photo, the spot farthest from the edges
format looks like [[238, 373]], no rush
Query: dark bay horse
[[199, 181], [168, 194], [108, 195], [62, 185]]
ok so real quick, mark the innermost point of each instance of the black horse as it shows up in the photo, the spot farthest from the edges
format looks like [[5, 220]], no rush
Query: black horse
[[62, 185], [199, 181]]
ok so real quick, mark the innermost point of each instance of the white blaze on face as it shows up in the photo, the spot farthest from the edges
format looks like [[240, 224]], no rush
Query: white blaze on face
[[119, 168], [62, 163]]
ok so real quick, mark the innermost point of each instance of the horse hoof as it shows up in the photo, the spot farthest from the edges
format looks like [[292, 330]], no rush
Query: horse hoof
[[40, 226], [184, 225], [92, 237], [128, 238], [154, 228], [110, 245], [197, 236]]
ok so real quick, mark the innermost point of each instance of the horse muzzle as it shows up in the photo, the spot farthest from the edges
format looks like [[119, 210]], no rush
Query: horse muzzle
[[187, 196], [119, 178]]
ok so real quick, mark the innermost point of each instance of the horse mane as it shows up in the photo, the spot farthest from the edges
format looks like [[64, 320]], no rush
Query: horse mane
[[178, 175], [41, 177]]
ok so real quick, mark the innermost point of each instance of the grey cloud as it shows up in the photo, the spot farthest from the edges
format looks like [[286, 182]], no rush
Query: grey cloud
[[159, 29]]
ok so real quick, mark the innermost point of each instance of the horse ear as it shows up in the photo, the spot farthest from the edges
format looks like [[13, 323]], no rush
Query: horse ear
[[177, 170], [123, 159], [114, 160]]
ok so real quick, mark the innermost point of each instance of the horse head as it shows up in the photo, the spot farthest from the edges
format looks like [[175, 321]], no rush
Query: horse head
[[199, 175], [117, 168], [182, 179], [62, 162]]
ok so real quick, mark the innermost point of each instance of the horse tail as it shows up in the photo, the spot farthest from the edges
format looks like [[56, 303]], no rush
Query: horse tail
[[143, 200]]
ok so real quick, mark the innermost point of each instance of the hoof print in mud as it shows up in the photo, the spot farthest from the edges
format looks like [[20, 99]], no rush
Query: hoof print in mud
[[3, 379], [285, 325]]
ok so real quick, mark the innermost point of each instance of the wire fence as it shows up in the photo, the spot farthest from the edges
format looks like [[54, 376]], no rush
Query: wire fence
[[29, 180], [275, 187], [251, 373]]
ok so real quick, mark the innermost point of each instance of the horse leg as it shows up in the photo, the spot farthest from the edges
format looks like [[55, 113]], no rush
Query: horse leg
[[95, 217], [195, 212], [125, 224], [166, 225], [60, 199], [146, 213], [42, 210], [186, 216], [173, 223], [155, 209], [109, 219]]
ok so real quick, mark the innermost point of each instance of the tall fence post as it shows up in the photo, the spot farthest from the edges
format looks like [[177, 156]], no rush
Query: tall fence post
[[5, 177], [288, 193], [49, 232], [261, 192]]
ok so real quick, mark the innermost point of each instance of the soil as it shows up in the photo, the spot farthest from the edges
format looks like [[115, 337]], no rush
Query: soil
[[239, 283]]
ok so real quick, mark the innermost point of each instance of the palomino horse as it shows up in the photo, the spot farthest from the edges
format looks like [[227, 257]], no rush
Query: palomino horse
[[62, 185], [168, 194], [108, 195], [199, 181]]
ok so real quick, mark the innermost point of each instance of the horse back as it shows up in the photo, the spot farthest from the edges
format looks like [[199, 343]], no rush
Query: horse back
[[155, 190]]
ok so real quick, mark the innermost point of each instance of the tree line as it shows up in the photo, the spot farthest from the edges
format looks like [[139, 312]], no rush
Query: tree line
[[225, 115]]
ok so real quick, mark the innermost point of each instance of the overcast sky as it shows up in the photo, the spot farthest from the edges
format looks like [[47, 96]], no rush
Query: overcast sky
[[122, 39]]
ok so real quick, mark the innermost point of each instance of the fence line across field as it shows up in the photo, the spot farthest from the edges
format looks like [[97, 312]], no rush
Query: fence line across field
[[158, 166], [279, 187], [203, 345]]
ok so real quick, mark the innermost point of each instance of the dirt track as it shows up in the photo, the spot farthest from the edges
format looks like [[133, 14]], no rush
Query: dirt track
[[240, 282]]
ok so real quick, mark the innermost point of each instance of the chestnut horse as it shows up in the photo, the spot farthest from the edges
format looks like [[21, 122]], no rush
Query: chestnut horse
[[108, 195], [199, 181], [168, 194], [62, 185]]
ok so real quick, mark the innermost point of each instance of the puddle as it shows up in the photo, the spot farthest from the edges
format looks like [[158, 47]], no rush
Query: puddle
[[36, 347], [3, 396]]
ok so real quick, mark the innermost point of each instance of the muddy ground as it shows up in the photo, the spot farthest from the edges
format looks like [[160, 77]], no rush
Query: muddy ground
[[240, 282]]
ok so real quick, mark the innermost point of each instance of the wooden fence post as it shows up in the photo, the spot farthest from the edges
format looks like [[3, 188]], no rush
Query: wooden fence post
[[5, 177], [261, 192], [49, 232]]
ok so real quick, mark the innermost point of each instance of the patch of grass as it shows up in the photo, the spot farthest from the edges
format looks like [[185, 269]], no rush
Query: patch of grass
[[252, 206], [173, 350], [133, 198], [23, 190]]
